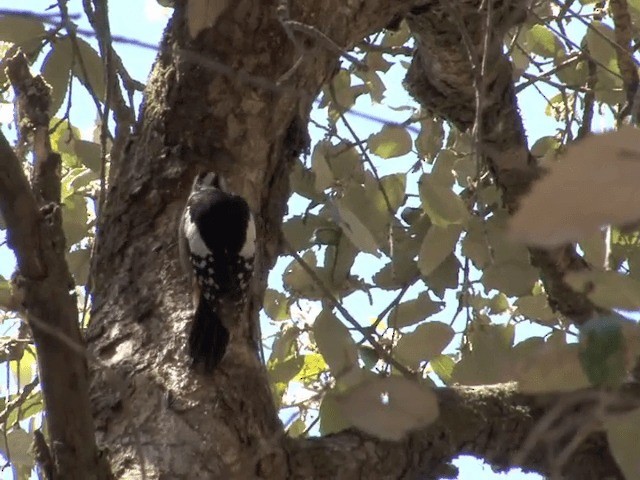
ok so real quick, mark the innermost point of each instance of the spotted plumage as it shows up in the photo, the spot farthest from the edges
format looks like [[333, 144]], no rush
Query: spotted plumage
[[217, 240]]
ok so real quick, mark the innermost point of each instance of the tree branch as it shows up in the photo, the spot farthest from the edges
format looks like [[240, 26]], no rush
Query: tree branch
[[449, 92], [491, 422], [37, 239]]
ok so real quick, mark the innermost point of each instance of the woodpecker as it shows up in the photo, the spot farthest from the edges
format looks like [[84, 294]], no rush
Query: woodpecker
[[217, 248]]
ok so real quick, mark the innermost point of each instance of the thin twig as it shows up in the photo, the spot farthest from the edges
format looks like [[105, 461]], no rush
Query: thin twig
[[334, 301]]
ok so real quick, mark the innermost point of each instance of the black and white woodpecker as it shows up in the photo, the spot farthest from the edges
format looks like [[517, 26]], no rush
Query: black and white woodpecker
[[217, 247]]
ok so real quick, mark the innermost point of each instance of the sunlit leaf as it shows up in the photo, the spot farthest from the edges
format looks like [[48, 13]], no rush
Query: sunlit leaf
[[276, 305], [540, 40], [442, 366], [442, 205], [312, 367], [283, 372], [391, 141], [18, 29]]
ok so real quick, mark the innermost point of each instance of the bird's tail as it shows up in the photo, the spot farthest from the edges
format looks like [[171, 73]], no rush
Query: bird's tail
[[208, 338]]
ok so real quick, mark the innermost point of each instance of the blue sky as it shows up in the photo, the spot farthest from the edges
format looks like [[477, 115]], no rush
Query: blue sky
[[145, 20]]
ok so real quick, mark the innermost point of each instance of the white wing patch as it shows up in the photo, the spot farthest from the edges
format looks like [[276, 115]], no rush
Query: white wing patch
[[249, 247], [196, 245]]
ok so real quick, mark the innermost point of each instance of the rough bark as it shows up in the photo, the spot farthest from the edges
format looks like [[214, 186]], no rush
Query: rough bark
[[215, 101]]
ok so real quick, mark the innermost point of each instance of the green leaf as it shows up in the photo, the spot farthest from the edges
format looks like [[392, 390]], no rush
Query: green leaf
[[424, 343], [339, 94], [17, 29], [297, 428], [498, 304], [623, 435], [355, 228], [607, 289], [398, 37], [437, 245], [313, 366], [475, 244], [394, 187], [391, 141], [540, 40], [284, 344], [335, 343], [442, 205], [390, 277], [546, 147], [89, 154], [368, 356], [299, 231], [390, 407], [276, 305], [600, 39], [74, 219], [373, 83], [56, 70], [24, 369], [284, 372], [320, 166], [429, 140], [6, 297], [297, 281], [490, 359], [17, 448], [554, 367], [303, 182], [338, 260], [574, 74], [511, 278], [603, 351], [536, 308], [413, 311], [445, 276], [331, 419], [79, 262], [442, 366], [91, 64]]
